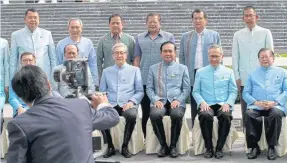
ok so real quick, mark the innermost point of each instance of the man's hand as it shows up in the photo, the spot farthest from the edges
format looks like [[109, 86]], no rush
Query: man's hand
[[174, 104], [238, 83], [269, 104], [204, 107], [21, 110], [158, 104], [261, 104], [6, 89], [98, 99], [225, 108], [128, 106]]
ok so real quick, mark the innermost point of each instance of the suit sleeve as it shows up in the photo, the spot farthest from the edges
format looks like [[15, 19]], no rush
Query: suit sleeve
[[18, 146], [235, 57]]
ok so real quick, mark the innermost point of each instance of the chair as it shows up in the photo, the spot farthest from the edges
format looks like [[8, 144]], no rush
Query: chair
[[198, 142], [152, 143]]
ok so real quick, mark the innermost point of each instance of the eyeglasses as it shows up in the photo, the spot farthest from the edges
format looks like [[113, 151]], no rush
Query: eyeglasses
[[214, 57], [250, 15], [28, 61], [119, 53]]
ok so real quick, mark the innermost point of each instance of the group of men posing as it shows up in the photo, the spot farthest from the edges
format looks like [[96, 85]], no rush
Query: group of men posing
[[144, 71]]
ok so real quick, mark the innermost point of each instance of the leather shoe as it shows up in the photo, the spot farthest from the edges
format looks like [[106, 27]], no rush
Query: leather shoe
[[208, 153], [111, 152], [164, 151], [218, 154], [271, 154], [253, 153], [173, 152], [126, 153]]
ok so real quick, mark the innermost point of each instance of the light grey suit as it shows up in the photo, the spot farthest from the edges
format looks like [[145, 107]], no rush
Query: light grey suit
[[56, 130]]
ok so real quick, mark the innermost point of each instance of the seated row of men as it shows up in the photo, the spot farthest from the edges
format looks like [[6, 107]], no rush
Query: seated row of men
[[215, 91]]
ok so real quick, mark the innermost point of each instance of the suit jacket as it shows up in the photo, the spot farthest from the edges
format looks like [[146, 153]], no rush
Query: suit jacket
[[188, 44], [57, 130]]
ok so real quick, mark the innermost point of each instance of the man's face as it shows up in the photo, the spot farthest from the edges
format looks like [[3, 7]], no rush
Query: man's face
[[153, 24], [120, 56], [116, 25], [266, 58], [249, 17], [168, 54], [75, 28], [198, 20], [32, 20], [28, 60], [71, 52], [214, 56]]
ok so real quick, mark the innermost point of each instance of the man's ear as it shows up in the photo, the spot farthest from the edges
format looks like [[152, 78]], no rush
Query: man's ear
[[49, 86]]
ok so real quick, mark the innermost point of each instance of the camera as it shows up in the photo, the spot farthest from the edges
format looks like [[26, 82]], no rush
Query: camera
[[75, 74]]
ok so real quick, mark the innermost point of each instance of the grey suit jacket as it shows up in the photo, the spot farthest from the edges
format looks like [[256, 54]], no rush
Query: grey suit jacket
[[56, 130]]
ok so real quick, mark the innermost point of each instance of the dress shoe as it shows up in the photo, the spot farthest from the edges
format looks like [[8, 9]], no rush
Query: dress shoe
[[164, 151], [218, 154], [253, 153], [271, 154], [111, 152], [126, 153], [173, 152], [208, 153]]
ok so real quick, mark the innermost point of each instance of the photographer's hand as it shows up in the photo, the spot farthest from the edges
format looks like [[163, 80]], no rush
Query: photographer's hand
[[98, 99]]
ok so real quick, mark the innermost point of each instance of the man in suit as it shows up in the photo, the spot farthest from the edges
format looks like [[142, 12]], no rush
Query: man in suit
[[246, 44], [214, 92], [265, 93], [168, 87], [123, 83], [35, 40], [194, 49], [54, 130]]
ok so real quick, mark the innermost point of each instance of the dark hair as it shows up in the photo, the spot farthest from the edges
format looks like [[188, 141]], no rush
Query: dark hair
[[167, 42], [71, 44], [30, 83], [31, 10], [199, 11], [115, 15], [153, 14], [27, 53], [249, 7], [264, 50]]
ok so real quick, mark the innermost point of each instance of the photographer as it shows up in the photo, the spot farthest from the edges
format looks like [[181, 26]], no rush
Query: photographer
[[70, 53], [54, 130]]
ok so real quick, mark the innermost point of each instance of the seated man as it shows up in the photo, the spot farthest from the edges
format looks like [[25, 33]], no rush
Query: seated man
[[70, 52], [123, 84], [17, 104], [168, 86], [265, 94], [215, 92]]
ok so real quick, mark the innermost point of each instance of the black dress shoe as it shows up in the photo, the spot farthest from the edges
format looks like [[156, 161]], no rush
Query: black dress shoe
[[173, 152], [164, 151], [110, 152], [218, 154], [253, 153], [126, 153], [208, 153], [271, 154]]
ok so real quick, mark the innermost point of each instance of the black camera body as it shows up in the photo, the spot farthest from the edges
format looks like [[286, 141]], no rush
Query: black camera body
[[75, 74]]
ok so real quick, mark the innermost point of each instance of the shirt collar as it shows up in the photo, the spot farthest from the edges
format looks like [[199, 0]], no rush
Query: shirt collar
[[266, 68], [120, 35], [215, 68], [123, 66], [201, 33], [254, 28], [168, 63], [160, 33], [75, 41], [28, 30]]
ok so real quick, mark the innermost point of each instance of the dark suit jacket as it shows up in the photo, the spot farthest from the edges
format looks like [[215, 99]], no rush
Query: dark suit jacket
[[56, 130]]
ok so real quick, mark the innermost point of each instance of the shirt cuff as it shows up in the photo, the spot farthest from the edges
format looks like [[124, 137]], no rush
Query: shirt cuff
[[102, 105]]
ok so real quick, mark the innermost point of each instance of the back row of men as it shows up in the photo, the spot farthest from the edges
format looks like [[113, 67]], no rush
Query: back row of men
[[164, 85]]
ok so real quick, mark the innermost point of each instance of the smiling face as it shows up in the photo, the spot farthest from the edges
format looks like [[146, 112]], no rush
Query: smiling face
[[75, 28], [215, 56], [153, 24], [32, 20], [266, 58], [116, 25], [250, 18], [71, 52], [168, 53], [198, 20], [120, 55], [28, 59]]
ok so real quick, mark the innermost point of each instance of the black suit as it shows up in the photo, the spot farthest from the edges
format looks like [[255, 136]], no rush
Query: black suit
[[56, 130]]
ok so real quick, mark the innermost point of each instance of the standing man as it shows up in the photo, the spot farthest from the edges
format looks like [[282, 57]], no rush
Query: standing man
[[167, 87], [265, 93], [147, 53], [194, 49], [246, 44], [116, 35], [215, 93], [33, 39], [85, 45], [4, 75], [123, 84]]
